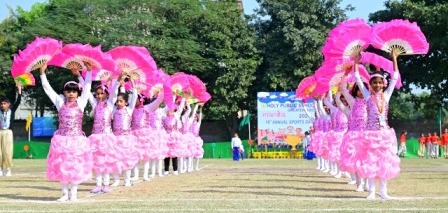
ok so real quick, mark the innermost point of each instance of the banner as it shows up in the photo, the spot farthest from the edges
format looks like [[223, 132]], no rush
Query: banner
[[282, 118], [44, 126]]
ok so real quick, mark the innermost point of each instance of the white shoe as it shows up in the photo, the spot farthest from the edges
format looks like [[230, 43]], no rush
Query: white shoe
[[63, 198], [322, 168], [366, 187], [318, 168], [197, 169], [166, 173], [353, 182], [145, 178], [115, 184], [161, 175], [371, 196], [326, 170], [338, 175], [128, 183], [347, 175], [135, 178], [360, 188], [385, 196], [73, 198], [152, 176], [182, 171], [8, 173], [176, 173], [333, 173]]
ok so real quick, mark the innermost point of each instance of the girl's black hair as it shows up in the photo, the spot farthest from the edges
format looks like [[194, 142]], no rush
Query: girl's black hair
[[72, 86], [146, 100], [355, 89], [124, 96]]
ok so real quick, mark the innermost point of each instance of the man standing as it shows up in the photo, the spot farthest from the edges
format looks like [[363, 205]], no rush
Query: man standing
[[236, 144], [6, 136]]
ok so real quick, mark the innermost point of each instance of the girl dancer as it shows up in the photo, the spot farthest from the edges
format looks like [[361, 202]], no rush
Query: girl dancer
[[102, 140], [340, 125], [357, 121], [160, 137], [140, 129], [379, 146], [325, 139], [69, 159], [317, 134], [198, 142], [187, 140], [172, 125], [126, 142]]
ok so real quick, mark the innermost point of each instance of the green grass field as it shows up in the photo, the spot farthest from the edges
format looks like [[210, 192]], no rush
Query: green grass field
[[267, 185]]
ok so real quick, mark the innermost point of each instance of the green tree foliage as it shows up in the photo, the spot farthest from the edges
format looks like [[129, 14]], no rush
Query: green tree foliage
[[426, 71]]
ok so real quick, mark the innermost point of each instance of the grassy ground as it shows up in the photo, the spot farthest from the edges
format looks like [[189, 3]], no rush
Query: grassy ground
[[266, 185]]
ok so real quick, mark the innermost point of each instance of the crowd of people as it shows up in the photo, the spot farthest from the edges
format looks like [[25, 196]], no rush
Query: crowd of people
[[430, 145]]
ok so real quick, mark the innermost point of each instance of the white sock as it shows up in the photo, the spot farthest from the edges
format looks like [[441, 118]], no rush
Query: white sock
[[159, 167], [106, 179], [128, 175], [197, 163], [65, 189], [153, 167], [136, 171], [74, 191], [99, 179], [146, 169]]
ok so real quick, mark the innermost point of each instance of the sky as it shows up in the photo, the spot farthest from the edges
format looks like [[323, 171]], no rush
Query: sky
[[363, 8]]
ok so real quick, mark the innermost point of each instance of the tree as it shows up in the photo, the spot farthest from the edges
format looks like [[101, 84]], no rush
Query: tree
[[425, 71]]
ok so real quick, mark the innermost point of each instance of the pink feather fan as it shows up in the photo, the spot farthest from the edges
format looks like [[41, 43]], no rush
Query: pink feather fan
[[401, 35], [347, 40], [36, 54], [383, 63], [155, 82], [330, 75], [306, 87], [73, 56], [133, 61]]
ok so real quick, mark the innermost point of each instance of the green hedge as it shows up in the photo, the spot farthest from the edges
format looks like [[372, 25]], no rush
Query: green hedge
[[39, 150]]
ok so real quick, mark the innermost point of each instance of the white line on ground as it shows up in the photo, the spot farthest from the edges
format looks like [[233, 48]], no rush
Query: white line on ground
[[247, 210], [231, 200]]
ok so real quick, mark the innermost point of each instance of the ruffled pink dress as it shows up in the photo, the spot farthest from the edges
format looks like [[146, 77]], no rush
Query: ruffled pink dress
[[377, 151], [103, 142], [141, 131], [158, 135], [198, 150], [351, 141], [176, 145], [316, 136], [126, 142], [324, 144], [340, 126], [188, 138], [69, 160]]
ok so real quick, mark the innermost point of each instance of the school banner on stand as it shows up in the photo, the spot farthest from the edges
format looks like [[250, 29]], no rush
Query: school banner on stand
[[282, 118]]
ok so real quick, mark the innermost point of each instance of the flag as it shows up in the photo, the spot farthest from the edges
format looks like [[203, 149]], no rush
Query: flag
[[245, 121], [29, 119]]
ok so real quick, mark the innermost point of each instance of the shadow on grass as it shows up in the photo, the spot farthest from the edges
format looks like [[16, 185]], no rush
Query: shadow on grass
[[27, 198], [287, 187], [270, 193]]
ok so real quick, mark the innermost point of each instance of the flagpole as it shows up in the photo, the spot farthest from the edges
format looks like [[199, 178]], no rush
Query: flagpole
[[440, 121]]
